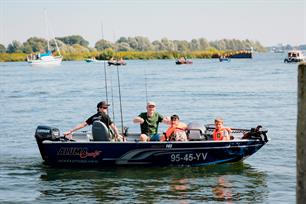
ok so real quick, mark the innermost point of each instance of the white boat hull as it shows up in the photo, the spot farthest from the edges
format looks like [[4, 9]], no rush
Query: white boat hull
[[47, 61]]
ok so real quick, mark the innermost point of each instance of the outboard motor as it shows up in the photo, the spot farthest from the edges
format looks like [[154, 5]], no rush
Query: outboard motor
[[196, 131], [256, 133], [46, 133]]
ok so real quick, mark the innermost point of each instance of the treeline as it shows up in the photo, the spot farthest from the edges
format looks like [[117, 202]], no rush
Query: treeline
[[77, 43], [72, 46]]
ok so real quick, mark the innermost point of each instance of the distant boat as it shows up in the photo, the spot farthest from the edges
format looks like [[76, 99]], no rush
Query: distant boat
[[241, 54], [93, 59], [116, 62], [183, 60], [248, 53], [224, 59], [294, 56], [278, 51], [47, 58]]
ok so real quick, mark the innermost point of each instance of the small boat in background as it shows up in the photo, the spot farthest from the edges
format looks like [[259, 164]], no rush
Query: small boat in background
[[241, 54], [183, 60], [114, 62], [294, 56], [89, 60], [224, 59]]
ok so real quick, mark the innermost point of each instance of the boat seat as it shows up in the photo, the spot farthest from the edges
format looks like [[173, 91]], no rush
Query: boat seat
[[100, 132], [195, 131]]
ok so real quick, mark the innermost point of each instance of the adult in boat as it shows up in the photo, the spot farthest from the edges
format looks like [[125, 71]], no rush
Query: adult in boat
[[220, 132], [176, 130], [183, 60], [102, 116], [149, 122]]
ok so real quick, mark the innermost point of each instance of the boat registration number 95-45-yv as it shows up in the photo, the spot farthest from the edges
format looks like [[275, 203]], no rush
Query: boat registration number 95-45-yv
[[188, 157]]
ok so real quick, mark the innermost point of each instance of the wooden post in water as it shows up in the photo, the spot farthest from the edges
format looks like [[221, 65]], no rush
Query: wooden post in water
[[301, 136]]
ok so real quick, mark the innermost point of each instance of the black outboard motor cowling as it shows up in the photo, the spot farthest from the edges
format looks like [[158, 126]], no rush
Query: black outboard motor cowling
[[46, 133]]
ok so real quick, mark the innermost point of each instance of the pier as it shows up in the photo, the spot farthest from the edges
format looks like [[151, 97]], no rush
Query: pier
[[301, 136]]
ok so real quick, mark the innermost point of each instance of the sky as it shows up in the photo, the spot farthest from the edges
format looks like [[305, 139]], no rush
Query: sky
[[270, 22]]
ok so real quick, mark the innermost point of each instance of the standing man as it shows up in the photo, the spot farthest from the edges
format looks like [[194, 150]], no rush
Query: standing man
[[149, 122], [100, 115]]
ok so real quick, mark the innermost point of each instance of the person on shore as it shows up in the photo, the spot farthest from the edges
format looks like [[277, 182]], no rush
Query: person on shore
[[149, 122], [100, 115], [221, 132], [176, 130]]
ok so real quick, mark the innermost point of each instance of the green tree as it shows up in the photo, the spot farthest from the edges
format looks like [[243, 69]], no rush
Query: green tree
[[168, 45], [123, 47], [144, 43], [103, 44], [204, 44], [74, 39], [14, 47], [133, 43], [122, 40], [36, 44], [181, 45], [2, 48]]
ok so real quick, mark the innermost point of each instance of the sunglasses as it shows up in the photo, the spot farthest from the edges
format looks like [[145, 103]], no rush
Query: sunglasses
[[104, 107]]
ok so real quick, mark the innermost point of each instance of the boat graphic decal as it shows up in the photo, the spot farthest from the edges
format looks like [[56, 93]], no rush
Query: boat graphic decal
[[82, 152]]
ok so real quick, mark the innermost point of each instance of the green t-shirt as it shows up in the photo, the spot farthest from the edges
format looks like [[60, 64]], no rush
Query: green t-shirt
[[150, 124]]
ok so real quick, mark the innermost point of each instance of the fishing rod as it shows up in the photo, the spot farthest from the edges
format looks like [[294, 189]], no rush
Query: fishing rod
[[145, 74], [119, 88], [105, 73], [112, 94]]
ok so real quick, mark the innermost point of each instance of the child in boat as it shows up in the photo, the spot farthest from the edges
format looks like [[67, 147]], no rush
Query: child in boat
[[221, 132], [176, 130]]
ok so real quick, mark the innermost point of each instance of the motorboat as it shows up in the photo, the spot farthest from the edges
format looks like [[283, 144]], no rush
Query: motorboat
[[294, 56], [241, 54], [224, 59], [91, 60], [116, 62], [183, 62], [96, 147]]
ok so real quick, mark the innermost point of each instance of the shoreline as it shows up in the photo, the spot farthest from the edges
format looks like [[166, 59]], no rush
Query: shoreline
[[207, 54]]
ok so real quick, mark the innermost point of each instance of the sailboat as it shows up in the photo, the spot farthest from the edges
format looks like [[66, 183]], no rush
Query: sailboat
[[47, 58]]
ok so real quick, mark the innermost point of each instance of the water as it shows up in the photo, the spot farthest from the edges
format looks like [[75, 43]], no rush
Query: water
[[244, 92]]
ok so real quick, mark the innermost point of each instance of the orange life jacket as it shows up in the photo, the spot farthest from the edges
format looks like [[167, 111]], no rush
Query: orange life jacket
[[219, 134], [172, 129]]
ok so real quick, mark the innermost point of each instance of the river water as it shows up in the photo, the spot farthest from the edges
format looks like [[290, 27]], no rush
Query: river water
[[245, 92]]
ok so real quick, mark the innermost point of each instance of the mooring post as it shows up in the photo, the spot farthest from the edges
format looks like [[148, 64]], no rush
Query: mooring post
[[301, 136]]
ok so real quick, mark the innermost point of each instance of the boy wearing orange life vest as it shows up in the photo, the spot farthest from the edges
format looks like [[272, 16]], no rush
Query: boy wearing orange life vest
[[176, 128], [220, 132]]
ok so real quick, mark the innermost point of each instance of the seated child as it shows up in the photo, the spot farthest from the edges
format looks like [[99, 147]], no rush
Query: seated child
[[220, 132], [176, 130]]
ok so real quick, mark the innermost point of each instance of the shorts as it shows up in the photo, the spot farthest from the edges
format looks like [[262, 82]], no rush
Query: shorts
[[154, 137]]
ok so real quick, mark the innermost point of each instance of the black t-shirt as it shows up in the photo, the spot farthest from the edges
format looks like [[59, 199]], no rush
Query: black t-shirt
[[104, 118]]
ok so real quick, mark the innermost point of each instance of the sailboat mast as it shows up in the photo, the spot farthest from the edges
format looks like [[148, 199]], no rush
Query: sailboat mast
[[47, 29]]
